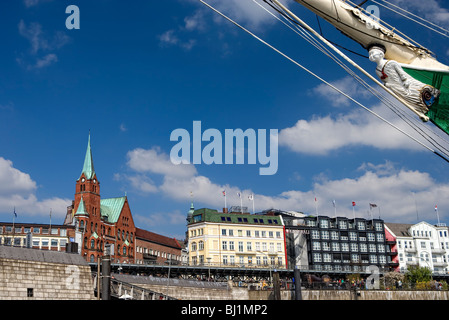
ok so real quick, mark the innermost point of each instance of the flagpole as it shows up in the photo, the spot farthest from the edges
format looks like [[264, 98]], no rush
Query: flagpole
[[224, 194], [225, 200], [241, 203], [13, 226], [353, 211], [253, 204], [251, 198], [438, 216], [335, 208]]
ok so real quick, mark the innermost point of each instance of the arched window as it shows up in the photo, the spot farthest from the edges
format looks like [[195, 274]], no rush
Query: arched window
[[85, 242], [193, 246], [82, 225], [92, 244], [92, 258], [124, 250], [118, 234], [201, 245]]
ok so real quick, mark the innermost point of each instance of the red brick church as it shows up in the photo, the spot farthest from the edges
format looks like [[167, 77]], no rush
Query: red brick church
[[101, 222]]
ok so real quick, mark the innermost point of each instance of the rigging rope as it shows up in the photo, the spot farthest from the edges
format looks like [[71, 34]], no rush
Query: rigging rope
[[324, 81], [411, 121], [443, 31]]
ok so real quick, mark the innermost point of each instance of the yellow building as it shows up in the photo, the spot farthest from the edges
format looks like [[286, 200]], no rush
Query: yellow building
[[235, 239]]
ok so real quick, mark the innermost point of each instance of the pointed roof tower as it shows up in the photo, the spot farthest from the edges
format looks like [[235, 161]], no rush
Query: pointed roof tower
[[190, 213], [81, 209], [88, 168]]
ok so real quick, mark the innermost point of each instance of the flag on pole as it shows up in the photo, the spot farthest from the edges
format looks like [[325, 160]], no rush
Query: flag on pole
[[372, 205], [224, 195], [251, 198], [333, 203], [241, 201], [436, 208], [15, 214], [353, 203]]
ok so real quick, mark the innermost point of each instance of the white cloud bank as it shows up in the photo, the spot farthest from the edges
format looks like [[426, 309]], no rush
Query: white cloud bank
[[17, 189], [393, 190]]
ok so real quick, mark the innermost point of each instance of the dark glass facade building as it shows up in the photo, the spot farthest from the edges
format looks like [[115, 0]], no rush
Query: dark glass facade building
[[342, 244]]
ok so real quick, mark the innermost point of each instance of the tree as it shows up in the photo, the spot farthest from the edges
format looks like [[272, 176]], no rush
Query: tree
[[391, 279], [417, 274]]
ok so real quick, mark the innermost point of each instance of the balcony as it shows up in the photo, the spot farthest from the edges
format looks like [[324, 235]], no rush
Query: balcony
[[438, 250], [246, 252], [439, 263]]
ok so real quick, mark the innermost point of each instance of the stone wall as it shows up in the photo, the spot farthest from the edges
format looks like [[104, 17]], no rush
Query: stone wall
[[181, 289], [30, 274]]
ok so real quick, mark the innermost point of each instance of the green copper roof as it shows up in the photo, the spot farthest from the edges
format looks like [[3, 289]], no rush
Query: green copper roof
[[88, 168], [211, 215], [111, 208], [81, 208]]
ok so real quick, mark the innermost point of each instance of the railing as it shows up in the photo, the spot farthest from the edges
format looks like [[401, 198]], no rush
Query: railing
[[127, 291]]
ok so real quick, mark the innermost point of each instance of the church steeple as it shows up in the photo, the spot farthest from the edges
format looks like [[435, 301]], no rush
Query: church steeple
[[88, 167], [81, 209]]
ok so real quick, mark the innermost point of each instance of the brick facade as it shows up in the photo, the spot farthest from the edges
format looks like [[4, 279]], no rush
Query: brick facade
[[155, 248]]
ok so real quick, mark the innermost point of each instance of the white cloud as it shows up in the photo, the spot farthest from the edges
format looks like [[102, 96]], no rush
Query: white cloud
[[348, 85], [155, 161], [46, 61], [33, 3], [429, 9], [244, 12], [14, 181], [391, 192], [41, 45], [383, 184], [322, 135], [17, 189]]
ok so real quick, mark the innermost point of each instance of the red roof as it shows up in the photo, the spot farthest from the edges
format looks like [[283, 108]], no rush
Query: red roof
[[157, 238]]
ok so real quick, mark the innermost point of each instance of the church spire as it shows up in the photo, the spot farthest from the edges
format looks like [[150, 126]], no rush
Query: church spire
[[88, 168], [81, 208]]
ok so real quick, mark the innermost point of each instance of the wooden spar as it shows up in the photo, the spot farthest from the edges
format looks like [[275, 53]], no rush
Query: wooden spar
[[367, 30], [305, 25]]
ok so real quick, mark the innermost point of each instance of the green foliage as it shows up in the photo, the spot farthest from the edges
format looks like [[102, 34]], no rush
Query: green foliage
[[417, 274]]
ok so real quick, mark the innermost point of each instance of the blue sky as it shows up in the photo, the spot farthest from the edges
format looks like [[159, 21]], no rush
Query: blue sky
[[137, 70]]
